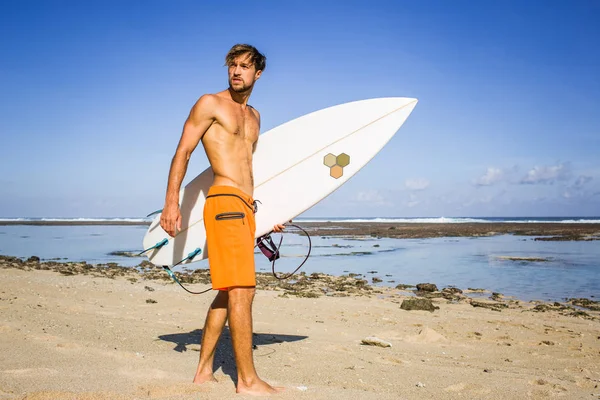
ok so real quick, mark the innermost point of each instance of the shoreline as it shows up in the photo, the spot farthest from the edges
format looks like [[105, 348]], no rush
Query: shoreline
[[542, 231], [137, 334], [305, 285]]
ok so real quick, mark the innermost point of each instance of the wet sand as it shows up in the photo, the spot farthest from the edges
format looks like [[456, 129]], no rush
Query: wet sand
[[77, 331], [545, 231]]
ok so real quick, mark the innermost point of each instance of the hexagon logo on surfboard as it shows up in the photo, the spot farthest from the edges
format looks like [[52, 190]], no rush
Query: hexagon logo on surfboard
[[336, 164]]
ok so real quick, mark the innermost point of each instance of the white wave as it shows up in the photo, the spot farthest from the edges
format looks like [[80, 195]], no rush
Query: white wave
[[74, 220], [94, 219]]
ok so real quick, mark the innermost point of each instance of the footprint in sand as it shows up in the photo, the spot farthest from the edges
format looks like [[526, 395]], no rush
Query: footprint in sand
[[471, 388], [30, 371], [170, 391], [151, 373], [427, 335], [549, 387], [390, 361]]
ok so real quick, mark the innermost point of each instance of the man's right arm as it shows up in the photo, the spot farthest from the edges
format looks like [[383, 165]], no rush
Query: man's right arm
[[200, 119]]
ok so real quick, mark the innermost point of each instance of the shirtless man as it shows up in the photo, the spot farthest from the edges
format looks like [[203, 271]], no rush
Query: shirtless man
[[228, 128]]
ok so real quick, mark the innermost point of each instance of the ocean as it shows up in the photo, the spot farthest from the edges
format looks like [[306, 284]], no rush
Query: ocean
[[570, 268]]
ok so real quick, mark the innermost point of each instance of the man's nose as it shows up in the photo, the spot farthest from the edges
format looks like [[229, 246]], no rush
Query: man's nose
[[237, 70]]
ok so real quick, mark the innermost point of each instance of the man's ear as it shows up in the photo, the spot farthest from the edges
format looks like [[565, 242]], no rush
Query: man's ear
[[257, 75]]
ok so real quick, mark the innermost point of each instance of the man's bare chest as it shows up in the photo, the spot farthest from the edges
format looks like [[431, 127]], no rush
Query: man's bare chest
[[240, 123]]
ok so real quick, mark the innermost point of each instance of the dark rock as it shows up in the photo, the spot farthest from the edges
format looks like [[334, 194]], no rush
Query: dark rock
[[418, 304], [302, 294], [124, 254], [377, 280], [148, 288], [497, 296], [427, 287], [452, 290], [33, 259], [151, 301], [586, 303], [146, 264], [580, 314], [491, 306], [429, 295], [404, 286]]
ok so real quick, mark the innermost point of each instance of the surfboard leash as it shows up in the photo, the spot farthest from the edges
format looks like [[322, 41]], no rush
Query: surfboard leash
[[267, 247], [264, 243], [271, 251]]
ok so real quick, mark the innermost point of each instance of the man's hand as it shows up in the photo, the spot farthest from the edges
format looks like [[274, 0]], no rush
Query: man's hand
[[279, 227], [170, 219]]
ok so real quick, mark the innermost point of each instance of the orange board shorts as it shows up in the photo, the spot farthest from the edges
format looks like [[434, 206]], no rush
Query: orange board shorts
[[230, 228]]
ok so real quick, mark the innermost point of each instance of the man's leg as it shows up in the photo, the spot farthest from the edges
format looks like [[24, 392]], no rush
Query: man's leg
[[240, 325], [215, 321]]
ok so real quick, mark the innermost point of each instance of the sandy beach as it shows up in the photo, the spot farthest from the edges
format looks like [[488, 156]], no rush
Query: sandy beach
[[76, 331]]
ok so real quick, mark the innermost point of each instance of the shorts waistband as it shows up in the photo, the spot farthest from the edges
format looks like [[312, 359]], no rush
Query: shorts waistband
[[224, 189]]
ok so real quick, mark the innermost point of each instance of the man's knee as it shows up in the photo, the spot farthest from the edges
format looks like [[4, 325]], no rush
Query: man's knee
[[241, 293]]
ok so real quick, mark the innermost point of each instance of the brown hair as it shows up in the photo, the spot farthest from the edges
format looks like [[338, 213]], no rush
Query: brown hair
[[258, 59]]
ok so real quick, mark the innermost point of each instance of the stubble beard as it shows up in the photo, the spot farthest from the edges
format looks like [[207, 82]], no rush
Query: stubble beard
[[243, 88]]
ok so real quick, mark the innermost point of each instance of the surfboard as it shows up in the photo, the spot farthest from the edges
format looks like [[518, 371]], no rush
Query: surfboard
[[296, 165]]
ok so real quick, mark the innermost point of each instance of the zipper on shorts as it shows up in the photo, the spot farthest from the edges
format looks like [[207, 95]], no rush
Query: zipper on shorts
[[230, 215]]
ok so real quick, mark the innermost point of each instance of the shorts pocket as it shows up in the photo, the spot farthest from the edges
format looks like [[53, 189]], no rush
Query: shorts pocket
[[230, 215]]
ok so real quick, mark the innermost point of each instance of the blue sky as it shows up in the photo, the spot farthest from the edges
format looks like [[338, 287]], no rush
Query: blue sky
[[94, 95]]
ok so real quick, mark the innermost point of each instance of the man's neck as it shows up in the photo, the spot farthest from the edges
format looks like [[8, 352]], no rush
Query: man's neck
[[240, 98]]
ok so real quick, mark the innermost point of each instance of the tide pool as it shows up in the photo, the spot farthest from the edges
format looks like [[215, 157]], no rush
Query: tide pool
[[571, 269]]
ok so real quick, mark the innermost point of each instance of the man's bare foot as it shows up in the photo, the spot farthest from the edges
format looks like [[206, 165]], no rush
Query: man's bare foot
[[204, 377], [257, 388]]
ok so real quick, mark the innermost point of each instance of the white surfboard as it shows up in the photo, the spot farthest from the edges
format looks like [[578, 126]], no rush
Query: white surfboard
[[296, 165]]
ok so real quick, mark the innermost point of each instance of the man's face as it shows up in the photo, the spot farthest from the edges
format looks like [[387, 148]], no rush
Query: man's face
[[242, 73]]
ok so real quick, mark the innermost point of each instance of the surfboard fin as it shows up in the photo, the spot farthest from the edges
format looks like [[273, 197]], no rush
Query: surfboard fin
[[154, 213]]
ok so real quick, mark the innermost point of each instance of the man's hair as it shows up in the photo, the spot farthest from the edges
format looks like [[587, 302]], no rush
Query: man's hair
[[258, 59]]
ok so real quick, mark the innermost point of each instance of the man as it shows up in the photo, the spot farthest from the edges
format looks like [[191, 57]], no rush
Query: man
[[228, 128]]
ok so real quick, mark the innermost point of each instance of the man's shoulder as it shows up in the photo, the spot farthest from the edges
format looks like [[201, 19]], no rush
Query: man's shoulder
[[208, 99], [206, 104]]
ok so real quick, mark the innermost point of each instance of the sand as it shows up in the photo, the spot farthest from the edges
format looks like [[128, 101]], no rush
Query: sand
[[94, 337]]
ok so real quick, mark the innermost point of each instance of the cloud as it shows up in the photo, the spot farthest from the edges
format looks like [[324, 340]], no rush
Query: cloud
[[416, 184], [372, 197], [549, 175], [493, 175], [582, 180]]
